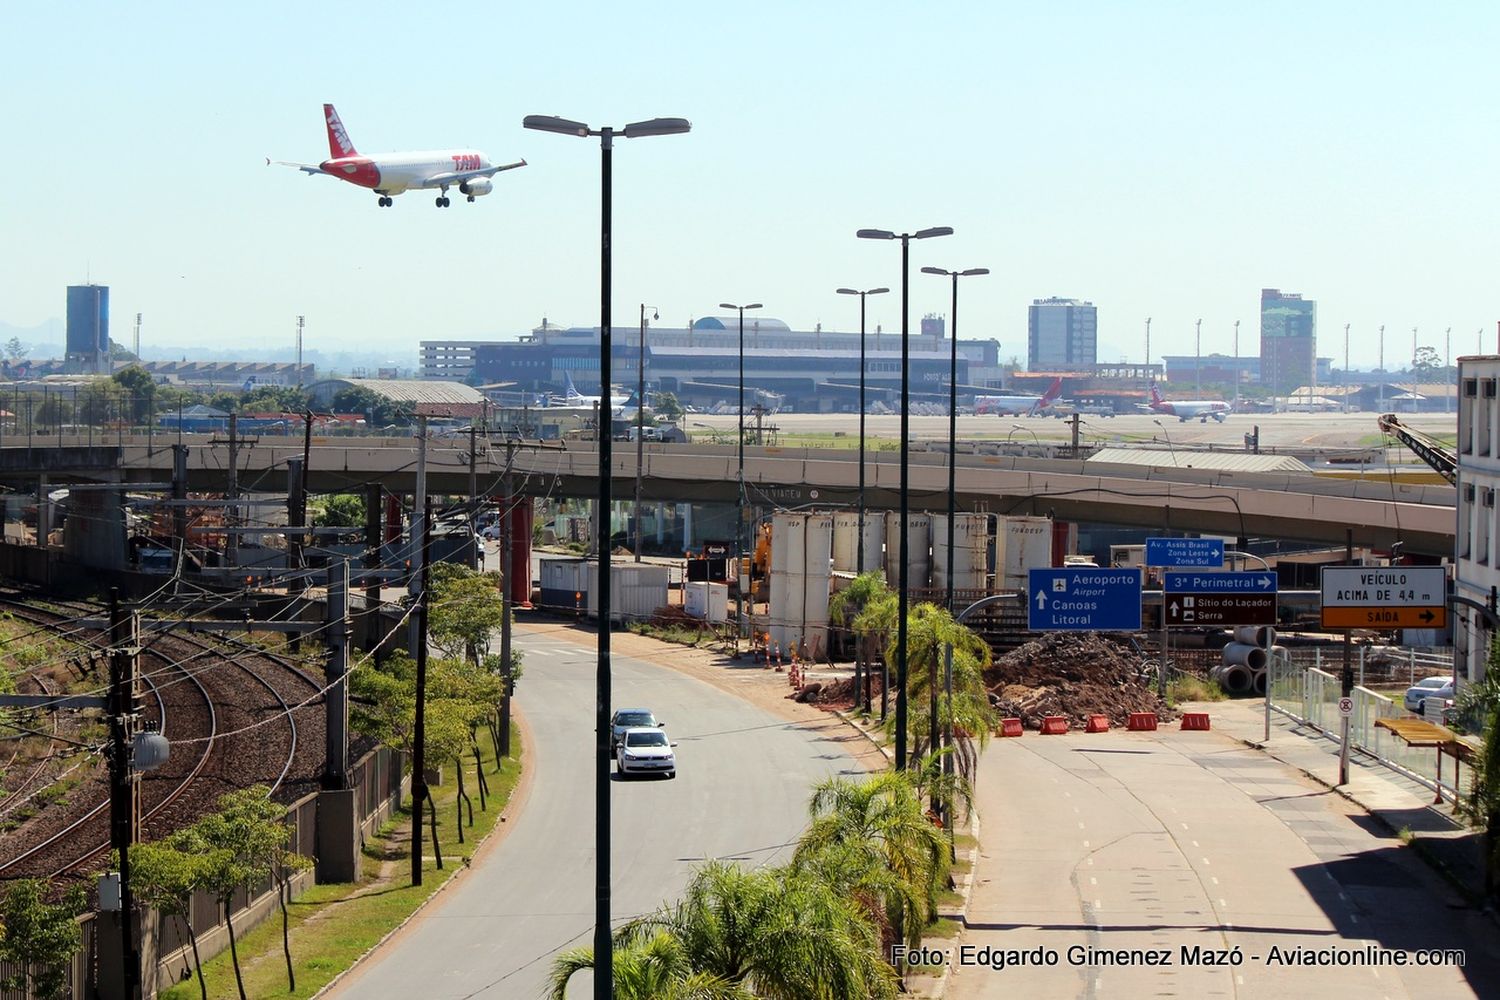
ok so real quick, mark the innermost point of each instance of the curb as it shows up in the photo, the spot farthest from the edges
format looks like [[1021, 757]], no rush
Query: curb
[[853, 724], [514, 805], [967, 893]]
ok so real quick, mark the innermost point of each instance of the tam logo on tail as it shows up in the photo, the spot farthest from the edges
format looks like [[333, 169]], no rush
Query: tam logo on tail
[[1053, 391], [338, 139], [1155, 394]]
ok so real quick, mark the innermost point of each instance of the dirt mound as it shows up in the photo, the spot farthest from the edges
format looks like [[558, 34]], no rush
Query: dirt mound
[[1074, 675], [839, 694]]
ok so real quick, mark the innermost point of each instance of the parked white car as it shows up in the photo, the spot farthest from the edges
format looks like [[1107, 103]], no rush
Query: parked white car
[[1428, 687], [645, 751]]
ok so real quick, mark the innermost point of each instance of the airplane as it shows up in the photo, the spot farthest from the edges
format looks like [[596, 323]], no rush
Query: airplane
[[573, 399], [389, 174], [1019, 405], [1189, 409]]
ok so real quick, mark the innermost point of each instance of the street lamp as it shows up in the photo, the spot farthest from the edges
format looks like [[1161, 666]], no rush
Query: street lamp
[[1170, 449], [1236, 364], [640, 423], [1198, 357], [1028, 430], [859, 558], [739, 535], [905, 555], [932, 730], [603, 955]]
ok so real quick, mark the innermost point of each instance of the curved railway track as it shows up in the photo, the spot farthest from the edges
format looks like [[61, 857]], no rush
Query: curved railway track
[[219, 702]]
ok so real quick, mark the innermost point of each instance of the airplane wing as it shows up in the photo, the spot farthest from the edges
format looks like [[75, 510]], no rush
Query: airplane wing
[[306, 168], [459, 176]]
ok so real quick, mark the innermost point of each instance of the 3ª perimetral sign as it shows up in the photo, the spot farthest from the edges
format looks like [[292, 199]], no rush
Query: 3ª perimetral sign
[[1385, 597]]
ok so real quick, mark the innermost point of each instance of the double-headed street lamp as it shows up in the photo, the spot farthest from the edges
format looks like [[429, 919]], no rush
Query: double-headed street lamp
[[932, 733], [603, 955], [905, 555], [640, 423], [739, 535], [859, 559]]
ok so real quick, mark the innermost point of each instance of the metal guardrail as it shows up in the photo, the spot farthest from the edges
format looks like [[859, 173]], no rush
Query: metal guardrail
[[1310, 696]]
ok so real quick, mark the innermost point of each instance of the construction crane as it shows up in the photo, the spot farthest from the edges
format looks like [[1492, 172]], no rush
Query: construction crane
[[1425, 447]]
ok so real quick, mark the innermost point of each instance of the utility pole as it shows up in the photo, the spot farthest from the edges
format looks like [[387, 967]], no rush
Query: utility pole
[[419, 736], [1381, 390], [507, 517], [1074, 420], [1198, 357], [1236, 364], [1148, 349], [374, 560], [1346, 367], [299, 351], [478, 561], [296, 511], [122, 820], [179, 510], [1346, 679], [336, 699]]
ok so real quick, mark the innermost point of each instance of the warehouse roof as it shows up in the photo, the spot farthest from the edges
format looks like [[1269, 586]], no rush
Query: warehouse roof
[[1217, 461], [427, 398]]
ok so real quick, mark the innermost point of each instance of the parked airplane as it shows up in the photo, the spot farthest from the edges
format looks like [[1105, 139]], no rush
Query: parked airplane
[[574, 399], [1019, 405], [1189, 409], [389, 174]]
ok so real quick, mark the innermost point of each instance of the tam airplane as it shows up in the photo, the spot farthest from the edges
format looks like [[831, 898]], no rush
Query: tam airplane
[[1189, 409], [573, 399], [1019, 405], [390, 174]]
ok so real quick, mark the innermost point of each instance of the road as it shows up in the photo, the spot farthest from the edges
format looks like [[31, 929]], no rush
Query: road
[[740, 794], [1174, 840]]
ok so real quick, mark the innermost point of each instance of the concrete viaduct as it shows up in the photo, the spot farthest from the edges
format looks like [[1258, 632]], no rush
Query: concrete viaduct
[[1299, 507]]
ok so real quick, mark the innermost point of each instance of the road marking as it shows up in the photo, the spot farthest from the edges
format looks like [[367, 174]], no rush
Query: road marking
[[1184, 826], [1239, 980], [1195, 843], [1093, 881], [1205, 861], [1098, 905], [1080, 824], [1215, 879], [1085, 844], [1222, 903]]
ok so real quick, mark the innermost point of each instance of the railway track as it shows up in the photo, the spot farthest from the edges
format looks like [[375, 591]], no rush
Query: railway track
[[238, 711]]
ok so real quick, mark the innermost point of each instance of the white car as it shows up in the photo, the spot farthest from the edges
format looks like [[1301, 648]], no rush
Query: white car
[[1428, 687], [645, 750]]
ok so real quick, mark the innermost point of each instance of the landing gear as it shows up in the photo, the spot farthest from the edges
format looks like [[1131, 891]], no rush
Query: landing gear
[[384, 201], [471, 199], [442, 199]]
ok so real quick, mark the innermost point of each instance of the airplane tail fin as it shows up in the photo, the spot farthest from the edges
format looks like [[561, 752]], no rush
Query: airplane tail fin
[[1155, 394], [338, 138], [569, 389], [1053, 391]]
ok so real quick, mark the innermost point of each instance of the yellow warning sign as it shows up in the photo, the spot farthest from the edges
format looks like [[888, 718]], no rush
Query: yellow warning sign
[[1435, 616]]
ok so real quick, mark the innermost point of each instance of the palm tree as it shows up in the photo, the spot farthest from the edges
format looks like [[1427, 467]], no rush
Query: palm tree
[[782, 934], [873, 824], [655, 968], [843, 609], [929, 630]]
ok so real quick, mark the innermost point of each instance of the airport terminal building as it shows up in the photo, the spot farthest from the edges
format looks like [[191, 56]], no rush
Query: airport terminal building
[[810, 370]]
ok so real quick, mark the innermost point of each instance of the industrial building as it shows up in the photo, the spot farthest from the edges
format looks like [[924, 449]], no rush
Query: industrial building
[[88, 328], [806, 369], [415, 396]]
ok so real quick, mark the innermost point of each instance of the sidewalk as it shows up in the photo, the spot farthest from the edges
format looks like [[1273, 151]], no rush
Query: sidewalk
[[1437, 834]]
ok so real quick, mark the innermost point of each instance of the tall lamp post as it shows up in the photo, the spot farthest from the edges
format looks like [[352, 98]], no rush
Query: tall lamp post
[[859, 557], [603, 955], [1167, 434], [932, 732], [739, 535], [905, 554], [1236, 364], [1148, 350], [1198, 357], [640, 423]]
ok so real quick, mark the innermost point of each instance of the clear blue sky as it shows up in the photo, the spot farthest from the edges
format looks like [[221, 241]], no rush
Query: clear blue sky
[[1160, 159]]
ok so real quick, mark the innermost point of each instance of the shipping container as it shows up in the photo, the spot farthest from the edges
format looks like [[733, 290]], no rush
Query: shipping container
[[636, 590], [919, 544], [709, 601], [1021, 544], [846, 540], [565, 583], [971, 550]]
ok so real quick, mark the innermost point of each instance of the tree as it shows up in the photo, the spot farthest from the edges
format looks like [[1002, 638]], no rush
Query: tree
[[666, 404], [1482, 700], [657, 968], [342, 510], [40, 937], [467, 609], [1426, 363], [274, 399], [780, 933], [874, 825], [379, 410], [15, 350], [139, 388], [164, 876], [929, 629], [844, 609]]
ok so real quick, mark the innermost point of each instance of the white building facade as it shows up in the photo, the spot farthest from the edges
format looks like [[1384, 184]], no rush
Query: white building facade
[[1477, 571]]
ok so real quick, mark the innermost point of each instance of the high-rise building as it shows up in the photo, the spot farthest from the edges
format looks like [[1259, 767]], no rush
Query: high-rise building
[[1288, 340], [88, 327], [1062, 335]]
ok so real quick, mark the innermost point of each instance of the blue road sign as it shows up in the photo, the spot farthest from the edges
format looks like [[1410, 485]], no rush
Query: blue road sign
[[1078, 599], [1221, 583], [1185, 552]]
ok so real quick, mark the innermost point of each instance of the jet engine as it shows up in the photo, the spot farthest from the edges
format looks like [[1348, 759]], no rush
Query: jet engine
[[476, 186]]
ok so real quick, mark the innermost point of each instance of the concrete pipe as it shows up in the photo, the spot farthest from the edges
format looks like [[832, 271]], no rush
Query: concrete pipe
[[1236, 678], [1258, 682], [1256, 635], [1245, 655]]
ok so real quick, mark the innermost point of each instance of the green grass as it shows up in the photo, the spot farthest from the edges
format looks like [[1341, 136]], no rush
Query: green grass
[[1193, 689], [945, 928], [348, 925]]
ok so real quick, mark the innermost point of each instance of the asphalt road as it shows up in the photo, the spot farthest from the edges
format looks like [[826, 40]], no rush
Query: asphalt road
[[1280, 430], [740, 794], [1140, 842]]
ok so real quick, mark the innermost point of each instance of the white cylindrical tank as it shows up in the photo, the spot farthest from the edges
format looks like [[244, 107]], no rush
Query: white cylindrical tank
[[787, 534], [1021, 544], [971, 551], [919, 545], [817, 544], [846, 539]]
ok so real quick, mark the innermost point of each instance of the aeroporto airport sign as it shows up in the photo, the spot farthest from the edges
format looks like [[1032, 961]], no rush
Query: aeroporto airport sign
[[1385, 597]]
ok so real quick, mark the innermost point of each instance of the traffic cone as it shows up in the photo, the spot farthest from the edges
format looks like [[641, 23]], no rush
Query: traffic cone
[[779, 667]]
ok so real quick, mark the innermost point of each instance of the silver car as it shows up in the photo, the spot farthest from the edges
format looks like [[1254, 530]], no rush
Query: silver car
[[1428, 687], [645, 751]]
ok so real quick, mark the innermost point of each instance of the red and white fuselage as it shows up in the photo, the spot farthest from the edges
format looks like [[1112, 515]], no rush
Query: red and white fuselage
[[1189, 409], [388, 174]]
